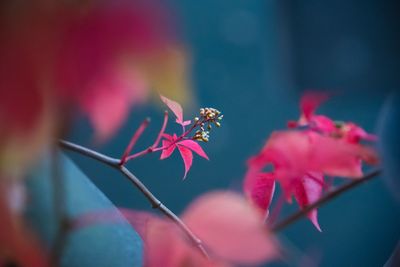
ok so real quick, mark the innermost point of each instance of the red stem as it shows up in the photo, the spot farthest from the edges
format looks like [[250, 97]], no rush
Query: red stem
[[152, 148], [162, 130], [134, 139]]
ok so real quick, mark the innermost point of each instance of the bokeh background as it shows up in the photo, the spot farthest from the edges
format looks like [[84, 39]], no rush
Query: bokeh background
[[252, 60]]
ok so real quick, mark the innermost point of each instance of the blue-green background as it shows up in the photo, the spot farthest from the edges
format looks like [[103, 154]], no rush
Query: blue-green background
[[252, 60]]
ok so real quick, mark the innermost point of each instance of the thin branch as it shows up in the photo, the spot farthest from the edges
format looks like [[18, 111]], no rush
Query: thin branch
[[155, 203], [326, 198], [134, 139]]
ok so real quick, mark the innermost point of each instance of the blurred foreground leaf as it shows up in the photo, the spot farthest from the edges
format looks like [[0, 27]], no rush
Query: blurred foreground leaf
[[101, 245]]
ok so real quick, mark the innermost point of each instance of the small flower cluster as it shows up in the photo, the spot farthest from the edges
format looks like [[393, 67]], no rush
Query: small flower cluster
[[186, 145], [208, 116]]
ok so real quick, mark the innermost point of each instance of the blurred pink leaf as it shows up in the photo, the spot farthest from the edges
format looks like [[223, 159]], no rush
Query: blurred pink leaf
[[347, 130], [117, 95], [165, 243], [231, 228], [355, 133], [96, 58], [310, 101], [308, 190], [259, 189], [302, 157]]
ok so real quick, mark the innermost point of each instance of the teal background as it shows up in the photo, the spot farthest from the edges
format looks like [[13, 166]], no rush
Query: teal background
[[252, 60]]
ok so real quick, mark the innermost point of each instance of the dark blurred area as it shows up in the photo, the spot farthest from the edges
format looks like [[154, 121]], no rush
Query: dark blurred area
[[252, 60]]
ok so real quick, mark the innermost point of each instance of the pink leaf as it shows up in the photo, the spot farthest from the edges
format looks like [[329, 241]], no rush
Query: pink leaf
[[165, 244], [166, 152], [194, 146], [259, 189], [307, 191], [175, 107], [311, 101], [187, 157], [185, 123], [232, 229], [337, 157], [294, 153], [354, 134], [108, 102], [168, 136], [322, 123], [88, 68]]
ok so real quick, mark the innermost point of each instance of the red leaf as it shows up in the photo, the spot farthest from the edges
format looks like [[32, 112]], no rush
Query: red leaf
[[295, 155], [322, 124], [166, 152], [337, 157], [169, 137], [259, 189], [175, 107], [311, 101], [231, 228], [187, 157], [354, 134], [165, 243], [185, 148], [194, 146], [108, 103], [307, 191], [89, 72]]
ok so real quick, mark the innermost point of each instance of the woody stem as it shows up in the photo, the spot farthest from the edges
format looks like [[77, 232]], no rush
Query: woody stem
[[155, 203], [323, 200]]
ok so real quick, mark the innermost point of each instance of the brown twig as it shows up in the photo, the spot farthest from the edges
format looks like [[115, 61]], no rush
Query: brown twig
[[155, 203], [326, 198]]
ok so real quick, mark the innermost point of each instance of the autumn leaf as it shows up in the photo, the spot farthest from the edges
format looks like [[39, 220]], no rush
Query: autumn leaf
[[103, 64], [95, 59], [231, 228], [317, 147], [308, 190], [259, 189], [232, 231], [176, 108], [186, 148]]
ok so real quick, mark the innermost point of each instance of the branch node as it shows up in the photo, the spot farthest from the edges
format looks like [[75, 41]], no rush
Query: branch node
[[156, 205]]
